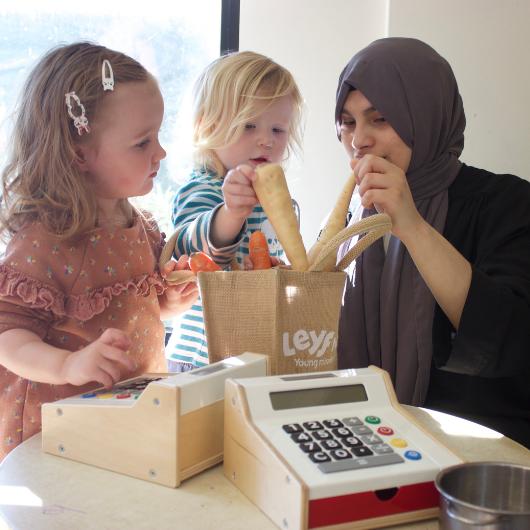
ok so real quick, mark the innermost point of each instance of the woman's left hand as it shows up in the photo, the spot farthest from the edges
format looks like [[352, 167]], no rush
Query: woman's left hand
[[384, 186]]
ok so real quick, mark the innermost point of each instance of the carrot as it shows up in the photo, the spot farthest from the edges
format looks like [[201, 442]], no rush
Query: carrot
[[201, 262], [259, 251], [273, 194], [335, 223]]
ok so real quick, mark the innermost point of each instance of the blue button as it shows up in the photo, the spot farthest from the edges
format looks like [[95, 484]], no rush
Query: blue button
[[412, 455], [89, 395]]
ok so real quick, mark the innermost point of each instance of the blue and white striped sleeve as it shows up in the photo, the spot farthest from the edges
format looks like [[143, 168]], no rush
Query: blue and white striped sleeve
[[193, 210]]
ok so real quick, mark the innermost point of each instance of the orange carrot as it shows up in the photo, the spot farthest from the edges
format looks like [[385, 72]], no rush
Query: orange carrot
[[201, 262], [259, 251]]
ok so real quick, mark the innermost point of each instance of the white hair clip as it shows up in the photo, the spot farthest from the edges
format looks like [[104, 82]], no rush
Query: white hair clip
[[107, 77], [81, 121]]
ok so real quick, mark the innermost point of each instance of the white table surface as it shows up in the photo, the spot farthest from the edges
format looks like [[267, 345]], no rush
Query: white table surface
[[39, 491]]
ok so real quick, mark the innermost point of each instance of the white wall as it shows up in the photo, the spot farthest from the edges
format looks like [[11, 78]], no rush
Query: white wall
[[486, 41]]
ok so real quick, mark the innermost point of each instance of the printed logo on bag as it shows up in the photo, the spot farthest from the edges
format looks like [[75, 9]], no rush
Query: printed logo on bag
[[315, 343]]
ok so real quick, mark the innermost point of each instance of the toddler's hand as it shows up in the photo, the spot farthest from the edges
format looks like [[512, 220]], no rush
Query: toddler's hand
[[104, 360], [239, 195]]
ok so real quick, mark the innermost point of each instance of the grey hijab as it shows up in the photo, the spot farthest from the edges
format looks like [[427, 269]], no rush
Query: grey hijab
[[388, 310]]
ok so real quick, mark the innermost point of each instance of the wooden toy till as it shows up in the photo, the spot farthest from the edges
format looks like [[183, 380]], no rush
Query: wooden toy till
[[162, 428], [330, 449]]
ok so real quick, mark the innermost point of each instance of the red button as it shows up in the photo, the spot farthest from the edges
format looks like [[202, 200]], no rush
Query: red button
[[386, 431], [123, 396]]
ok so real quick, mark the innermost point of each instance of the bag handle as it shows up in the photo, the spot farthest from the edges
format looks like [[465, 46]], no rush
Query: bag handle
[[374, 227]]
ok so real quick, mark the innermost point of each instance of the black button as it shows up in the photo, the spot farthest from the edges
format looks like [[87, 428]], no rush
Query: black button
[[292, 427], [361, 451], [312, 425]]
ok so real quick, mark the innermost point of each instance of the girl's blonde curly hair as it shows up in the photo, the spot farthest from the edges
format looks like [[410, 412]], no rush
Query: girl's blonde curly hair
[[229, 93]]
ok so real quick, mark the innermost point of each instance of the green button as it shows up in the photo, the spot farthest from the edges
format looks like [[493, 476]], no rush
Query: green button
[[372, 419]]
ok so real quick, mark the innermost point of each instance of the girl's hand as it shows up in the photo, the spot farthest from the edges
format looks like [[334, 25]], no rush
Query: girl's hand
[[177, 298], [384, 186], [239, 196], [105, 360]]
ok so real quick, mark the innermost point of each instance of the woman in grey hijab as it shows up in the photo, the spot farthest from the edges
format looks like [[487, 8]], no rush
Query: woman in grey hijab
[[443, 304]]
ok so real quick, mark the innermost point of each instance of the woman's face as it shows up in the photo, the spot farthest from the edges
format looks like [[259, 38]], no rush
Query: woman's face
[[365, 131]]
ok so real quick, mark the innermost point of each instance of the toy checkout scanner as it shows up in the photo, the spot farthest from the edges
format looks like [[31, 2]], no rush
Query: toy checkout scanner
[[330, 448], [158, 427]]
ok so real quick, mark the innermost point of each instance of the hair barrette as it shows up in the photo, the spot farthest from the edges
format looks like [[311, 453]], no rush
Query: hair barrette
[[107, 76], [81, 121]]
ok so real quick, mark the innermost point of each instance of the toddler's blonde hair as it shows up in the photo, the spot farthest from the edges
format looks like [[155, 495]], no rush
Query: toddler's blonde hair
[[41, 181], [232, 91]]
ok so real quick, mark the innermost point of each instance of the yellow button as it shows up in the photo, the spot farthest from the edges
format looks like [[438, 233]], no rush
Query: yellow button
[[398, 442], [108, 395]]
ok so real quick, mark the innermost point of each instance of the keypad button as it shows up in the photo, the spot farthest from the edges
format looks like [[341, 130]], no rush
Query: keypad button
[[309, 447], [362, 429], [412, 455], [292, 427], [385, 431], [369, 439], [333, 424], [340, 454], [300, 437], [351, 421], [341, 432], [352, 441], [359, 463], [361, 451], [312, 425], [398, 442], [322, 435], [372, 419], [319, 457], [381, 449], [330, 444]]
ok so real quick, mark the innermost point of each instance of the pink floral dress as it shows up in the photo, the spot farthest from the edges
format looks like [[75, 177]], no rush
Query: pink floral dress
[[68, 294]]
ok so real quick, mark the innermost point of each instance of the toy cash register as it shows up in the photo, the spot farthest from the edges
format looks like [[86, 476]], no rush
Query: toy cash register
[[330, 448], [159, 427]]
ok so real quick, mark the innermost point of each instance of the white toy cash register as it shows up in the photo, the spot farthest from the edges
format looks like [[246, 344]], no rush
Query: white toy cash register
[[329, 449], [158, 427]]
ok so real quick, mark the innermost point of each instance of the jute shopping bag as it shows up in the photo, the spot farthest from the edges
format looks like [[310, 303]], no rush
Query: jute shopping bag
[[291, 316]]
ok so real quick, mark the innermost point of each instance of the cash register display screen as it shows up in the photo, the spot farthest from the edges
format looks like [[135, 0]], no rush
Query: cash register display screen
[[315, 397]]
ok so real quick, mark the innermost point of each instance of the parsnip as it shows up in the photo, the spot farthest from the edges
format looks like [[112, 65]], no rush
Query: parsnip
[[174, 277], [334, 225], [273, 194]]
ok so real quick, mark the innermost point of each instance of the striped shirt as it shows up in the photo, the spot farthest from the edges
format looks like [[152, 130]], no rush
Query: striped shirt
[[193, 210]]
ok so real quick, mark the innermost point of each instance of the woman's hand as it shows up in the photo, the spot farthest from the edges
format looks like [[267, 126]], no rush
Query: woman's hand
[[177, 298], [105, 360], [384, 186], [445, 271]]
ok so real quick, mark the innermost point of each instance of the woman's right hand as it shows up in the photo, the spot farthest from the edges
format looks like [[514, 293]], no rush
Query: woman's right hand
[[384, 186], [105, 361]]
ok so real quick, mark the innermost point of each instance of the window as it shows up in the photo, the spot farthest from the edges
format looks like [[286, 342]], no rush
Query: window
[[173, 40]]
